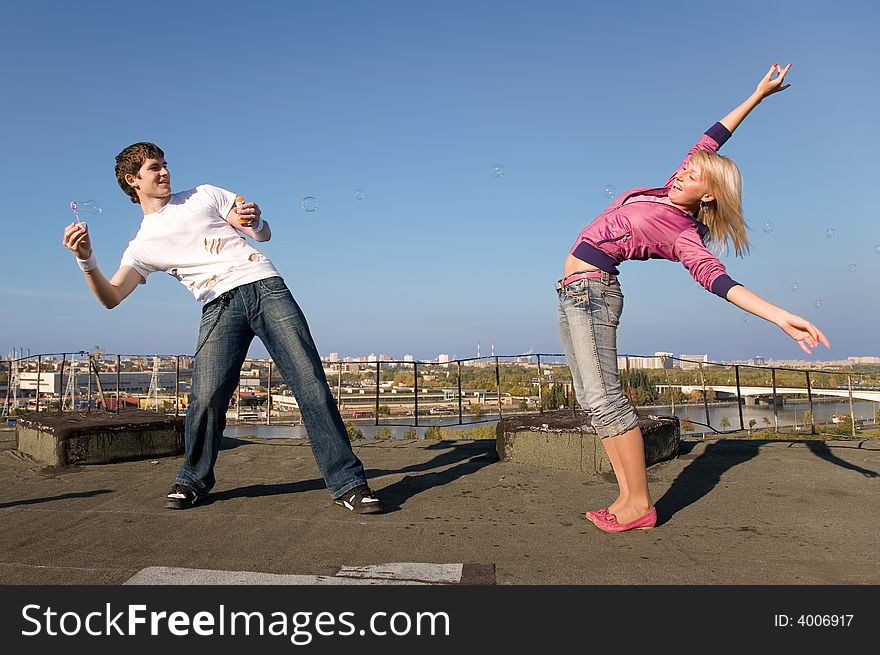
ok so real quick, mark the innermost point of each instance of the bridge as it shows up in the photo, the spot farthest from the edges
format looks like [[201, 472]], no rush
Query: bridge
[[744, 391]]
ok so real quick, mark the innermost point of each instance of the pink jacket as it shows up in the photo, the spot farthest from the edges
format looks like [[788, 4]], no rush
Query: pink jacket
[[636, 226]]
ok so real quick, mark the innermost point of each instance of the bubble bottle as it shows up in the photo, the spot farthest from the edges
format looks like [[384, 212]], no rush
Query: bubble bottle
[[239, 201]]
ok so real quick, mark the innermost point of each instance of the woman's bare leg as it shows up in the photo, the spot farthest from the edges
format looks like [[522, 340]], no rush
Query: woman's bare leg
[[631, 473], [619, 474]]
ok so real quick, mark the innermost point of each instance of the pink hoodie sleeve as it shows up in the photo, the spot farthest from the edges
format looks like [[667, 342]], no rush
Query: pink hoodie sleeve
[[712, 140], [703, 266]]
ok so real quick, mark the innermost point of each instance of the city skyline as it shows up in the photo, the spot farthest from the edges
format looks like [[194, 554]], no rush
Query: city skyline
[[425, 167], [444, 358]]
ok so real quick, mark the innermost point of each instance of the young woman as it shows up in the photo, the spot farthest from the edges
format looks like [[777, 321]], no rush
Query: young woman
[[699, 204]]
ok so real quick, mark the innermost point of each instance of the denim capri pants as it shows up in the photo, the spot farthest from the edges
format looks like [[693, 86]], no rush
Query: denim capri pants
[[589, 313]]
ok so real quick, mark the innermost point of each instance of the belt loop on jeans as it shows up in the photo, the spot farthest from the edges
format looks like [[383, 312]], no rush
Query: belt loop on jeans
[[581, 275]]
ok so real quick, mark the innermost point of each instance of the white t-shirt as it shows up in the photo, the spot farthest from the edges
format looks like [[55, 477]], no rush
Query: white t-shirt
[[190, 240]]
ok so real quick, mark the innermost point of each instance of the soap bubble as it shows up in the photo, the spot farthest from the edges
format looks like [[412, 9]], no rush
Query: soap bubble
[[877, 248], [768, 226], [795, 286], [359, 194], [746, 318], [830, 232], [88, 206], [309, 203], [85, 206], [852, 268], [610, 191], [819, 303], [498, 171]]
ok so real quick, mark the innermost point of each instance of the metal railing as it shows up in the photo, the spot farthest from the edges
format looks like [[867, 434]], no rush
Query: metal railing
[[386, 392], [767, 377]]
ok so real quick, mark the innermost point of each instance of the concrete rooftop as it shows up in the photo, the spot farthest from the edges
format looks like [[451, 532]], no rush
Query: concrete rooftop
[[731, 512]]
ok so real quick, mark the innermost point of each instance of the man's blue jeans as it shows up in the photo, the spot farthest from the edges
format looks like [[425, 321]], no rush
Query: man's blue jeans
[[265, 309]]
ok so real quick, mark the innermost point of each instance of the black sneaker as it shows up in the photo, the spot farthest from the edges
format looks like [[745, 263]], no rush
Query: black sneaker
[[182, 496], [360, 500]]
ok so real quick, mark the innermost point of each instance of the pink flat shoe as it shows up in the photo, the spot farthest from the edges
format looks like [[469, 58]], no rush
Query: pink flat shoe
[[597, 515], [609, 523]]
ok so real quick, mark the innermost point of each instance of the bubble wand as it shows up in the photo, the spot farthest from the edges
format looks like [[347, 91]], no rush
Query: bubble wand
[[73, 206]]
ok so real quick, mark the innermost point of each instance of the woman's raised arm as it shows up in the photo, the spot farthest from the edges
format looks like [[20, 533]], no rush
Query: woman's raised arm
[[767, 86]]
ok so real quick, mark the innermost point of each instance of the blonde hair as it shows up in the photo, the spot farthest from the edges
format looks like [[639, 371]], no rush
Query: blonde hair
[[723, 216]]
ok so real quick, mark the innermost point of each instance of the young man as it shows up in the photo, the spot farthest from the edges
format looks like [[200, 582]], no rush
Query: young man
[[197, 236]]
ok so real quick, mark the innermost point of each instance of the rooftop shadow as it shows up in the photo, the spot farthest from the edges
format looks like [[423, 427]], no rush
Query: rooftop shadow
[[465, 457], [49, 499], [821, 450], [701, 475], [231, 443]]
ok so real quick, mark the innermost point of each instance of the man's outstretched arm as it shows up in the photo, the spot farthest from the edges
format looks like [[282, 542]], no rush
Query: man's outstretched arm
[[109, 292]]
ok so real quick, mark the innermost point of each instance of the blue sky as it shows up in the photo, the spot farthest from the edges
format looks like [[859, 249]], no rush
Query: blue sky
[[415, 102]]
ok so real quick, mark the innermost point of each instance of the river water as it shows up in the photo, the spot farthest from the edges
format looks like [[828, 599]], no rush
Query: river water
[[790, 415]]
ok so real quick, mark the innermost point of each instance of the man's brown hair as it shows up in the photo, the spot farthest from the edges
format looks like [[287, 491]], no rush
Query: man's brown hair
[[129, 162]]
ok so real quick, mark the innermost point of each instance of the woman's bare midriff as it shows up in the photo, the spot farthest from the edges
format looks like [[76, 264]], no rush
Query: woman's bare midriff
[[575, 265]]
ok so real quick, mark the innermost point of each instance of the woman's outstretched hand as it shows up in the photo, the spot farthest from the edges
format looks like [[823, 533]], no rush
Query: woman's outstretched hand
[[769, 84], [801, 330], [766, 87]]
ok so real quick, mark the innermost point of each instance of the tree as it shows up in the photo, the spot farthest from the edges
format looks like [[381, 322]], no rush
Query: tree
[[353, 432], [671, 395], [845, 426], [686, 424], [555, 397], [638, 387], [725, 422], [752, 423]]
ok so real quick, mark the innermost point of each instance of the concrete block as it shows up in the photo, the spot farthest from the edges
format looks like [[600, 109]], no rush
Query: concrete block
[[62, 438], [566, 439]]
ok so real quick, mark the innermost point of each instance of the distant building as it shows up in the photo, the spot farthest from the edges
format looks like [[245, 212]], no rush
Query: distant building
[[690, 362], [632, 362], [863, 360], [346, 366], [129, 381]]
